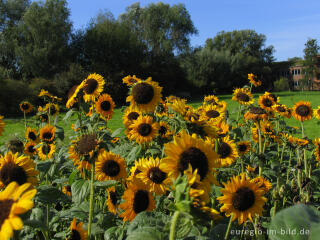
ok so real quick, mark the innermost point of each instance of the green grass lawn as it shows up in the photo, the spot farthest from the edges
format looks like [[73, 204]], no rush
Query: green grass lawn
[[15, 127]]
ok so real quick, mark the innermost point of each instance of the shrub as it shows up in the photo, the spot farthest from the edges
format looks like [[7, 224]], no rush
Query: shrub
[[281, 84]]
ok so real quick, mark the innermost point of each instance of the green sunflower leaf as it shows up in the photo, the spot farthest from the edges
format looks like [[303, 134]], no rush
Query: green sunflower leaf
[[80, 190]]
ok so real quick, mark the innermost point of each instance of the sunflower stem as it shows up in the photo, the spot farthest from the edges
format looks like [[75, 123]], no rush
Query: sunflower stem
[[229, 227], [173, 225], [91, 201], [304, 153], [25, 120], [260, 147], [290, 156], [239, 110]]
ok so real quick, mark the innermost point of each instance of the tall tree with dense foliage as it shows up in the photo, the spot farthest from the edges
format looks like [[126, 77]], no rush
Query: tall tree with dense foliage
[[310, 60]]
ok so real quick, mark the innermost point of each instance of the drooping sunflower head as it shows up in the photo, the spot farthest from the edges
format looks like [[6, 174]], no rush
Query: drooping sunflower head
[[179, 105], [152, 176], [110, 166], [76, 157], [87, 144], [112, 201], [73, 94], [263, 183], [130, 80], [93, 86], [317, 149], [46, 151], [2, 124], [302, 111], [185, 150], [223, 128], [30, 149], [77, 231], [255, 113], [137, 200], [254, 80], [243, 198], [145, 95], [20, 169], [316, 113], [15, 145], [243, 96], [143, 130], [130, 114], [104, 106], [47, 133], [243, 147], [14, 201], [26, 107], [31, 134], [266, 102]]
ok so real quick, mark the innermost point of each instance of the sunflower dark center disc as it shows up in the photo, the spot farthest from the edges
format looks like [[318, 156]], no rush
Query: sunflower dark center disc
[[242, 147], [91, 86], [212, 114], [113, 197], [318, 111], [105, 105], [243, 97], [47, 136], [68, 187], [274, 97], [156, 175], [141, 201], [281, 109], [11, 172], [31, 149], [243, 199], [224, 150], [163, 130], [5, 207], [143, 93], [267, 102], [257, 110], [111, 168], [197, 159], [303, 110], [25, 106], [212, 101], [45, 149], [44, 117], [144, 129], [75, 235], [86, 144], [32, 136], [133, 116]]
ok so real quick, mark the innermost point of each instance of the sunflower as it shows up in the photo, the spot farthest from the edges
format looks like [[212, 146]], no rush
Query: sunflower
[[164, 130], [265, 185], [242, 198], [243, 147], [2, 124], [67, 190], [145, 95], [14, 200], [227, 151], [15, 145], [185, 150], [93, 86], [20, 169], [26, 107], [255, 113], [110, 166], [46, 151], [316, 113], [266, 102], [212, 114], [130, 80], [73, 94], [275, 98], [77, 231], [54, 109], [210, 100], [223, 128], [152, 176], [47, 94], [104, 106], [179, 105], [317, 150], [162, 109], [282, 110], [302, 111], [243, 96], [31, 134], [251, 169], [47, 133], [30, 149], [112, 201], [137, 200], [143, 130], [75, 156], [253, 80], [130, 114]]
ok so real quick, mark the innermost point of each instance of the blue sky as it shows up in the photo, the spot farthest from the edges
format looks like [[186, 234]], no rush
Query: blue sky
[[287, 24]]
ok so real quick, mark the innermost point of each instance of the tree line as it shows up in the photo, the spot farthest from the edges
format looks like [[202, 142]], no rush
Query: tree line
[[39, 48]]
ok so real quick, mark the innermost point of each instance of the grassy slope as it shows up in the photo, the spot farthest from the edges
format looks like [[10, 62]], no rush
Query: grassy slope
[[15, 127]]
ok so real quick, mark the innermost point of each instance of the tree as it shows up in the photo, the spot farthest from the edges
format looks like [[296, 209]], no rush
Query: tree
[[310, 60]]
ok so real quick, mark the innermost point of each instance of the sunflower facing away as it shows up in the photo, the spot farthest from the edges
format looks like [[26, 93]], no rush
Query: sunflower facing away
[[136, 200], [104, 106], [243, 96], [242, 198], [26, 107], [15, 168], [152, 176], [2, 124], [77, 231], [243, 147], [316, 113], [93, 86], [47, 133], [254, 80], [31, 134], [302, 111], [185, 150], [14, 200], [130, 80], [112, 201], [46, 151], [73, 94], [143, 130], [145, 95], [110, 166]]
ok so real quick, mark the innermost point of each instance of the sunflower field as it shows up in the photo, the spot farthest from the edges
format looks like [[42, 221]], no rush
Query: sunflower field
[[174, 171]]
